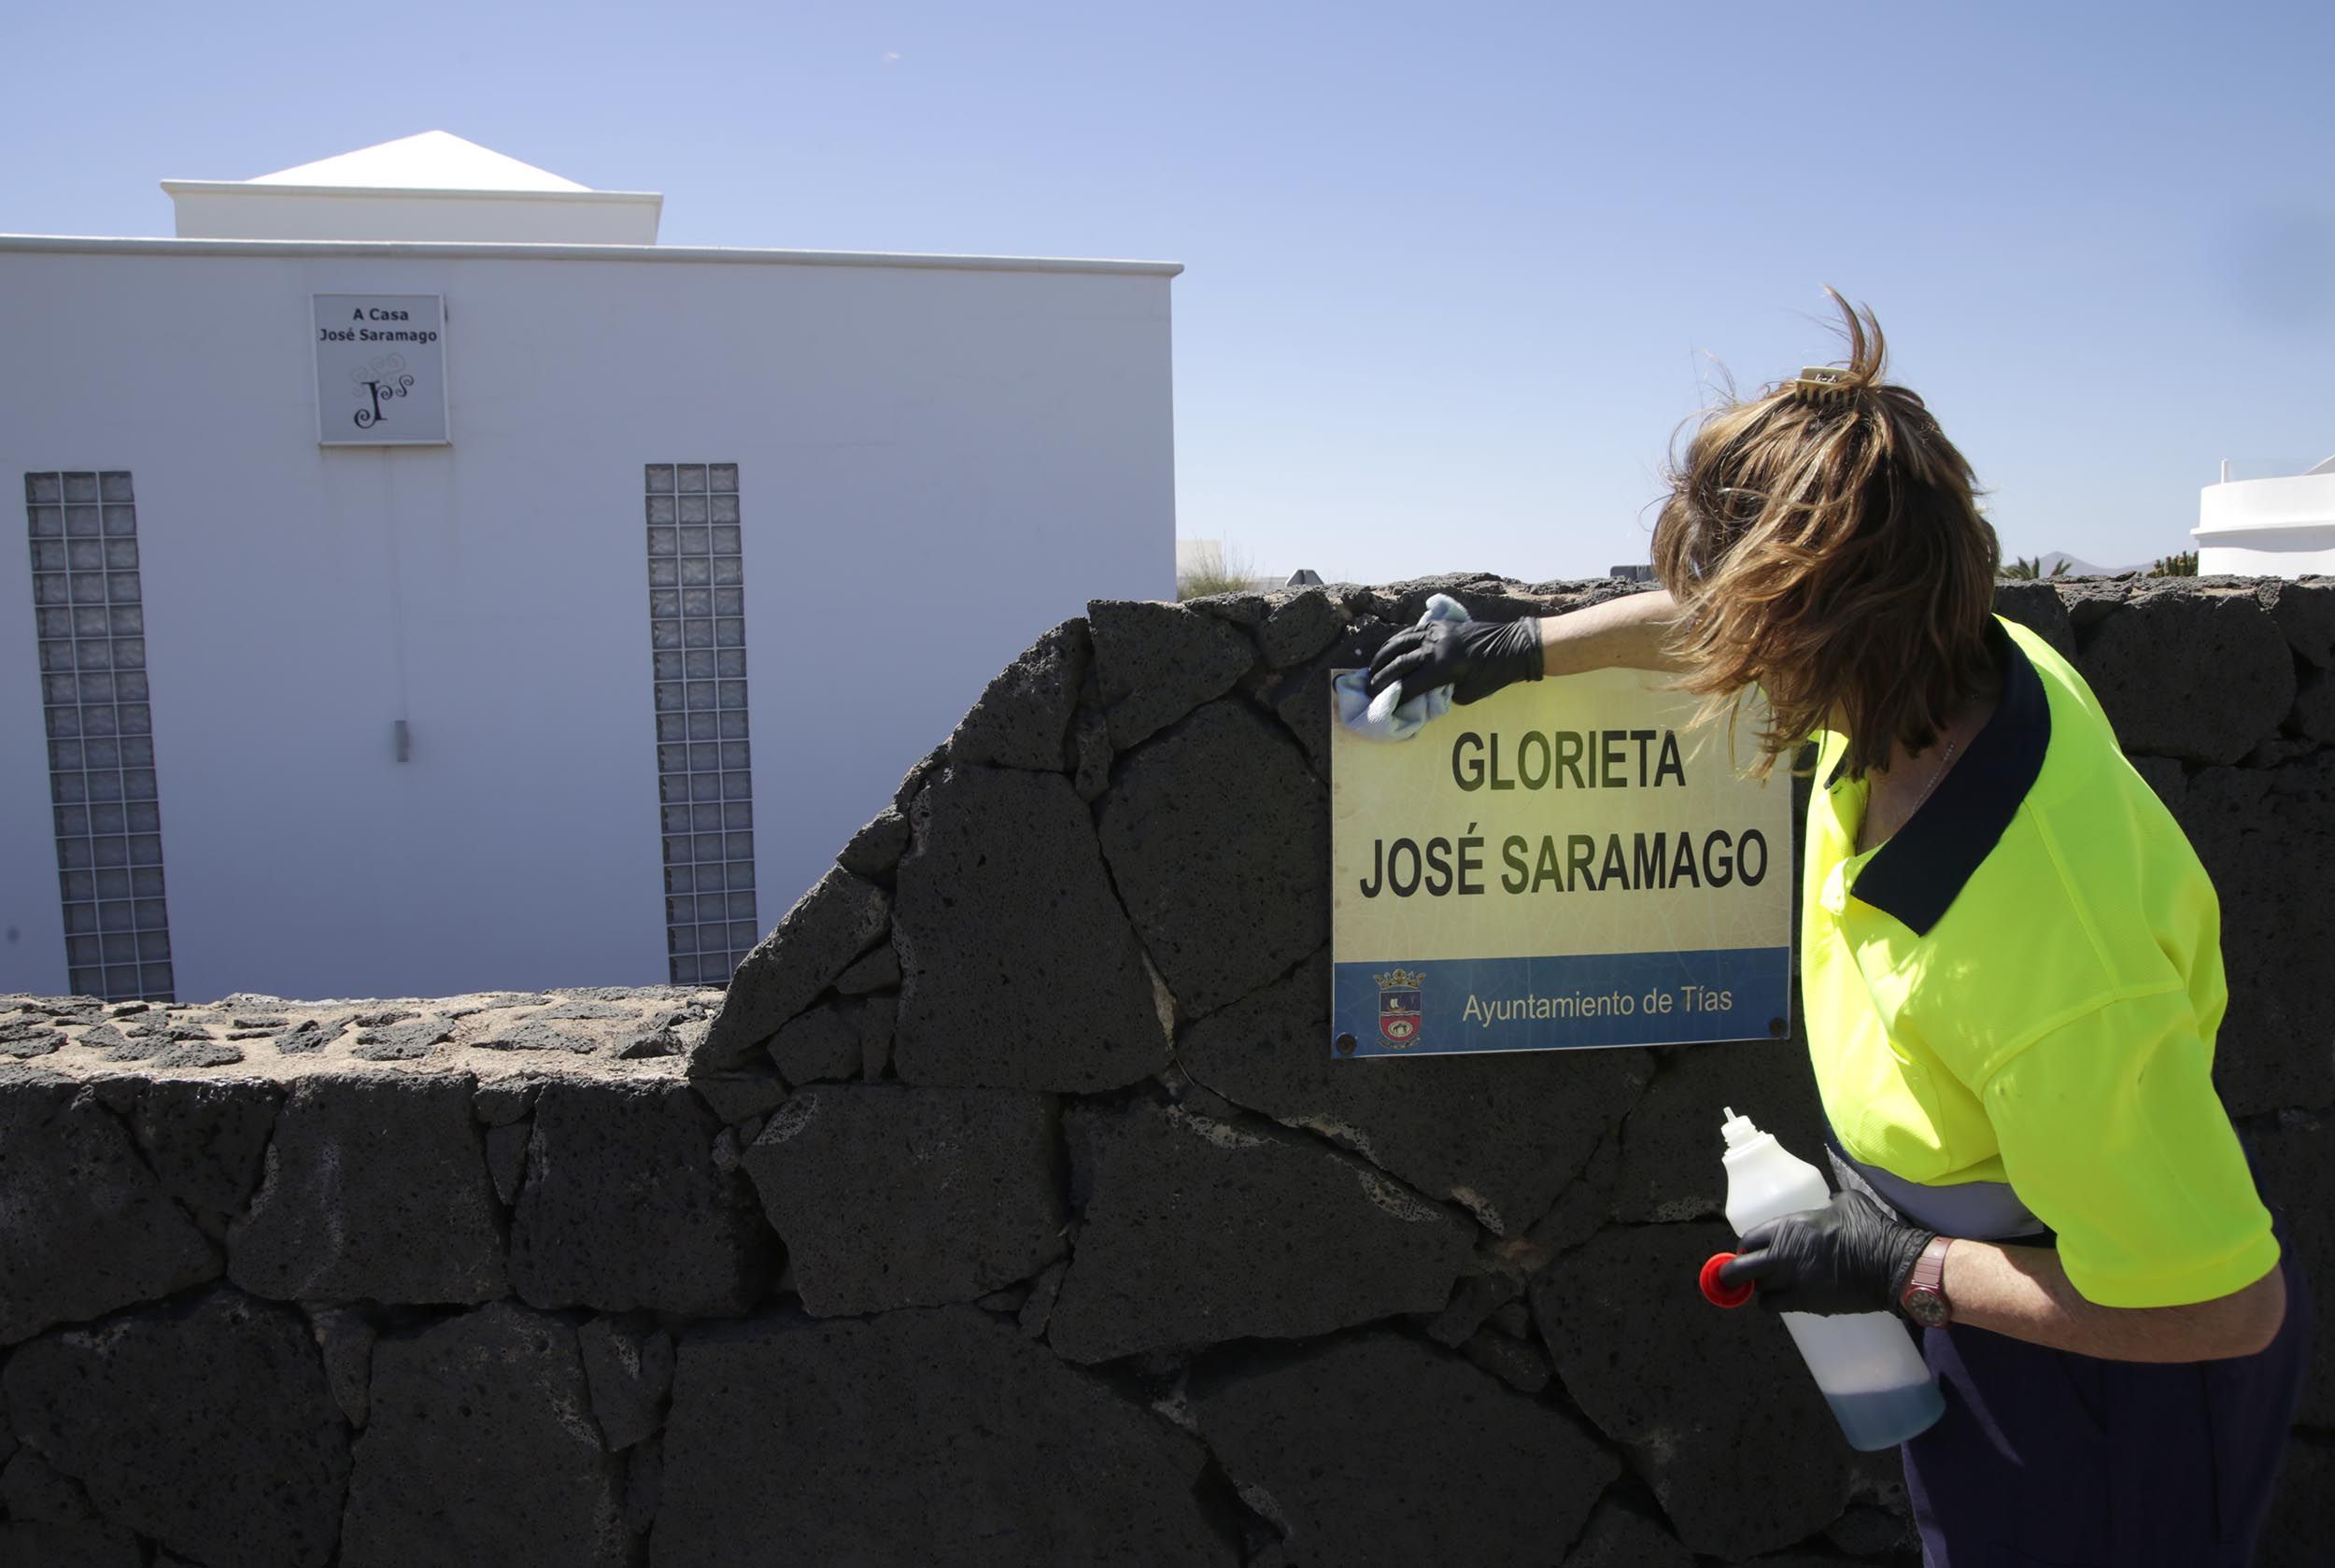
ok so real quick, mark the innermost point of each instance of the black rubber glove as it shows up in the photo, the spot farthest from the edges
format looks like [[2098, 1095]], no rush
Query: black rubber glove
[[1475, 658], [1849, 1256]]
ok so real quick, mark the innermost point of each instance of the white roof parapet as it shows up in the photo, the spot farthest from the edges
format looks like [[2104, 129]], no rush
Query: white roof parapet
[[433, 160], [456, 250], [435, 186]]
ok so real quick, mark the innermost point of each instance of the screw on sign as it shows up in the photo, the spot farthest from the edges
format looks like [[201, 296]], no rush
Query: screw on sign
[[378, 383]]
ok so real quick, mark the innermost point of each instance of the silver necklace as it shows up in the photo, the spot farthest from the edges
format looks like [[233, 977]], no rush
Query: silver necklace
[[1945, 761]]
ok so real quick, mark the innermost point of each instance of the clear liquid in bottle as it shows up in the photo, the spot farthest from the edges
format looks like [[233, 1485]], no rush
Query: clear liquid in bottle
[[1865, 1363]]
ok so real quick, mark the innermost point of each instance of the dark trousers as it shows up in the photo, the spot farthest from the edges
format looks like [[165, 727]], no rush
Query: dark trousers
[[2049, 1460]]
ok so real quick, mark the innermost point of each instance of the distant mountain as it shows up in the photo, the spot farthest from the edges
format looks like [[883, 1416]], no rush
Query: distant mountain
[[2077, 566]]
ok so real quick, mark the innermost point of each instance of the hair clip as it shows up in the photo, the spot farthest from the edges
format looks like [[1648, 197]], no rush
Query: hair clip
[[1818, 383]]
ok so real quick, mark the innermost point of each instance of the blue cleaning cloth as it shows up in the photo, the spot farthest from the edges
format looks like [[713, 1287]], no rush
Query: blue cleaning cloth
[[1396, 714]]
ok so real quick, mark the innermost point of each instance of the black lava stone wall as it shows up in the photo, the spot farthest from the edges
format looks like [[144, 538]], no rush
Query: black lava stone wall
[[1010, 1208]]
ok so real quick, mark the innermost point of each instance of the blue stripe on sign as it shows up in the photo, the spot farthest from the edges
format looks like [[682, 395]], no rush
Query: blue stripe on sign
[[1562, 1004]]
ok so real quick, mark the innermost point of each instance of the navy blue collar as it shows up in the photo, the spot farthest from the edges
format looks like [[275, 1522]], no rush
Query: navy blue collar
[[1918, 874]]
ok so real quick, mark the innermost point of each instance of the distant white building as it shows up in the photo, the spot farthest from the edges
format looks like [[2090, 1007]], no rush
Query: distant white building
[[435, 584], [2270, 528]]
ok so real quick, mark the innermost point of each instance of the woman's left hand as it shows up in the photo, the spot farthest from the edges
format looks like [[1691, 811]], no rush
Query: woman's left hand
[[1849, 1256], [1475, 658]]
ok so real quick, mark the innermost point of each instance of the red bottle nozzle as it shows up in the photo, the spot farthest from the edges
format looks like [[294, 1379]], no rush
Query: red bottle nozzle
[[1716, 1292]]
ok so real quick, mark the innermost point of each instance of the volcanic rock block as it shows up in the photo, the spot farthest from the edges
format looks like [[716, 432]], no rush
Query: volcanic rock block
[[1489, 1477], [84, 1228], [1037, 1307], [2267, 836], [506, 1158], [1218, 837], [841, 917], [2314, 707], [891, 1196], [879, 1022], [35, 1491], [1090, 754], [1023, 719], [1019, 968], [2197, 675], [1155, 663], [1485, 597], [1299, 629], [399, 1040], [2297, 1178], [375, 1187], [1520, 1364], [582, 1009], [68, 1546], [1617, 1537], [482, 1450], [26, 1038], [1197, 1231], [345, 1338], [534, 1036], [1474, 1299], [1636, 1346], [875, 850], [735, 1096], [623, 1206], [206, 1138], [1301, 699], [1670, 1145], [629, 1366], [204, 1425], [2165, 776], [498, 1102], [2305, 613], [661, 1042], [2038, 607], [643, 1484], [821, 1045], [1868, 1530], [1238, 606], [925, 1435], [1579, 1212], [2296, 1533], [97, 1036], [1501, 1134], [201, 1053], [880, 970], [308, 1037]]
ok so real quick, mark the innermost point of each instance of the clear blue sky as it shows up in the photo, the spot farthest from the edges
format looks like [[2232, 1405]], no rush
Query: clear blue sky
[[1456, 272]]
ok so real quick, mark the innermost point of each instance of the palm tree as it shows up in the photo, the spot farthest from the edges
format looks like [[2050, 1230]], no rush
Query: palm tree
[[2027, 569]]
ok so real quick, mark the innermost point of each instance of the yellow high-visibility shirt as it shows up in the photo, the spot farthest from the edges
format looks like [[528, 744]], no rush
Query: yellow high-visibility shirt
[[2022, 987]]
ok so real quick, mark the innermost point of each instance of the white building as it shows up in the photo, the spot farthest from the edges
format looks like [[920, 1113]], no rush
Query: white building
[[407, 534], [2268, 528]]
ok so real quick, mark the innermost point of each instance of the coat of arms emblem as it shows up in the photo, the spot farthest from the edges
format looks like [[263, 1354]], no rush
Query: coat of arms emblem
[[1399, 1006]]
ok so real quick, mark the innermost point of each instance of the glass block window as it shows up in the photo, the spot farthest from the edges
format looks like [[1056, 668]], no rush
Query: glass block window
[[704, 781], [88, 610]]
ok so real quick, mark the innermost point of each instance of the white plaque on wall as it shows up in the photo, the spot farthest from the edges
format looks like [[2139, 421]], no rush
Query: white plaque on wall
[[380, 370]]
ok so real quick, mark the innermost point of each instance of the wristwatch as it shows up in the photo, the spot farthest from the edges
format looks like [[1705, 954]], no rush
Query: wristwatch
[[1923, 1299]]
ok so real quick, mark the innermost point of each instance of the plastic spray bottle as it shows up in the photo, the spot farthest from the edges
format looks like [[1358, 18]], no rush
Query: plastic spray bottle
[[1865, 1362]]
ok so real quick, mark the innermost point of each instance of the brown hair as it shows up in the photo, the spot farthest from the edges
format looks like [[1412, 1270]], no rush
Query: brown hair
[[1824, 540]]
